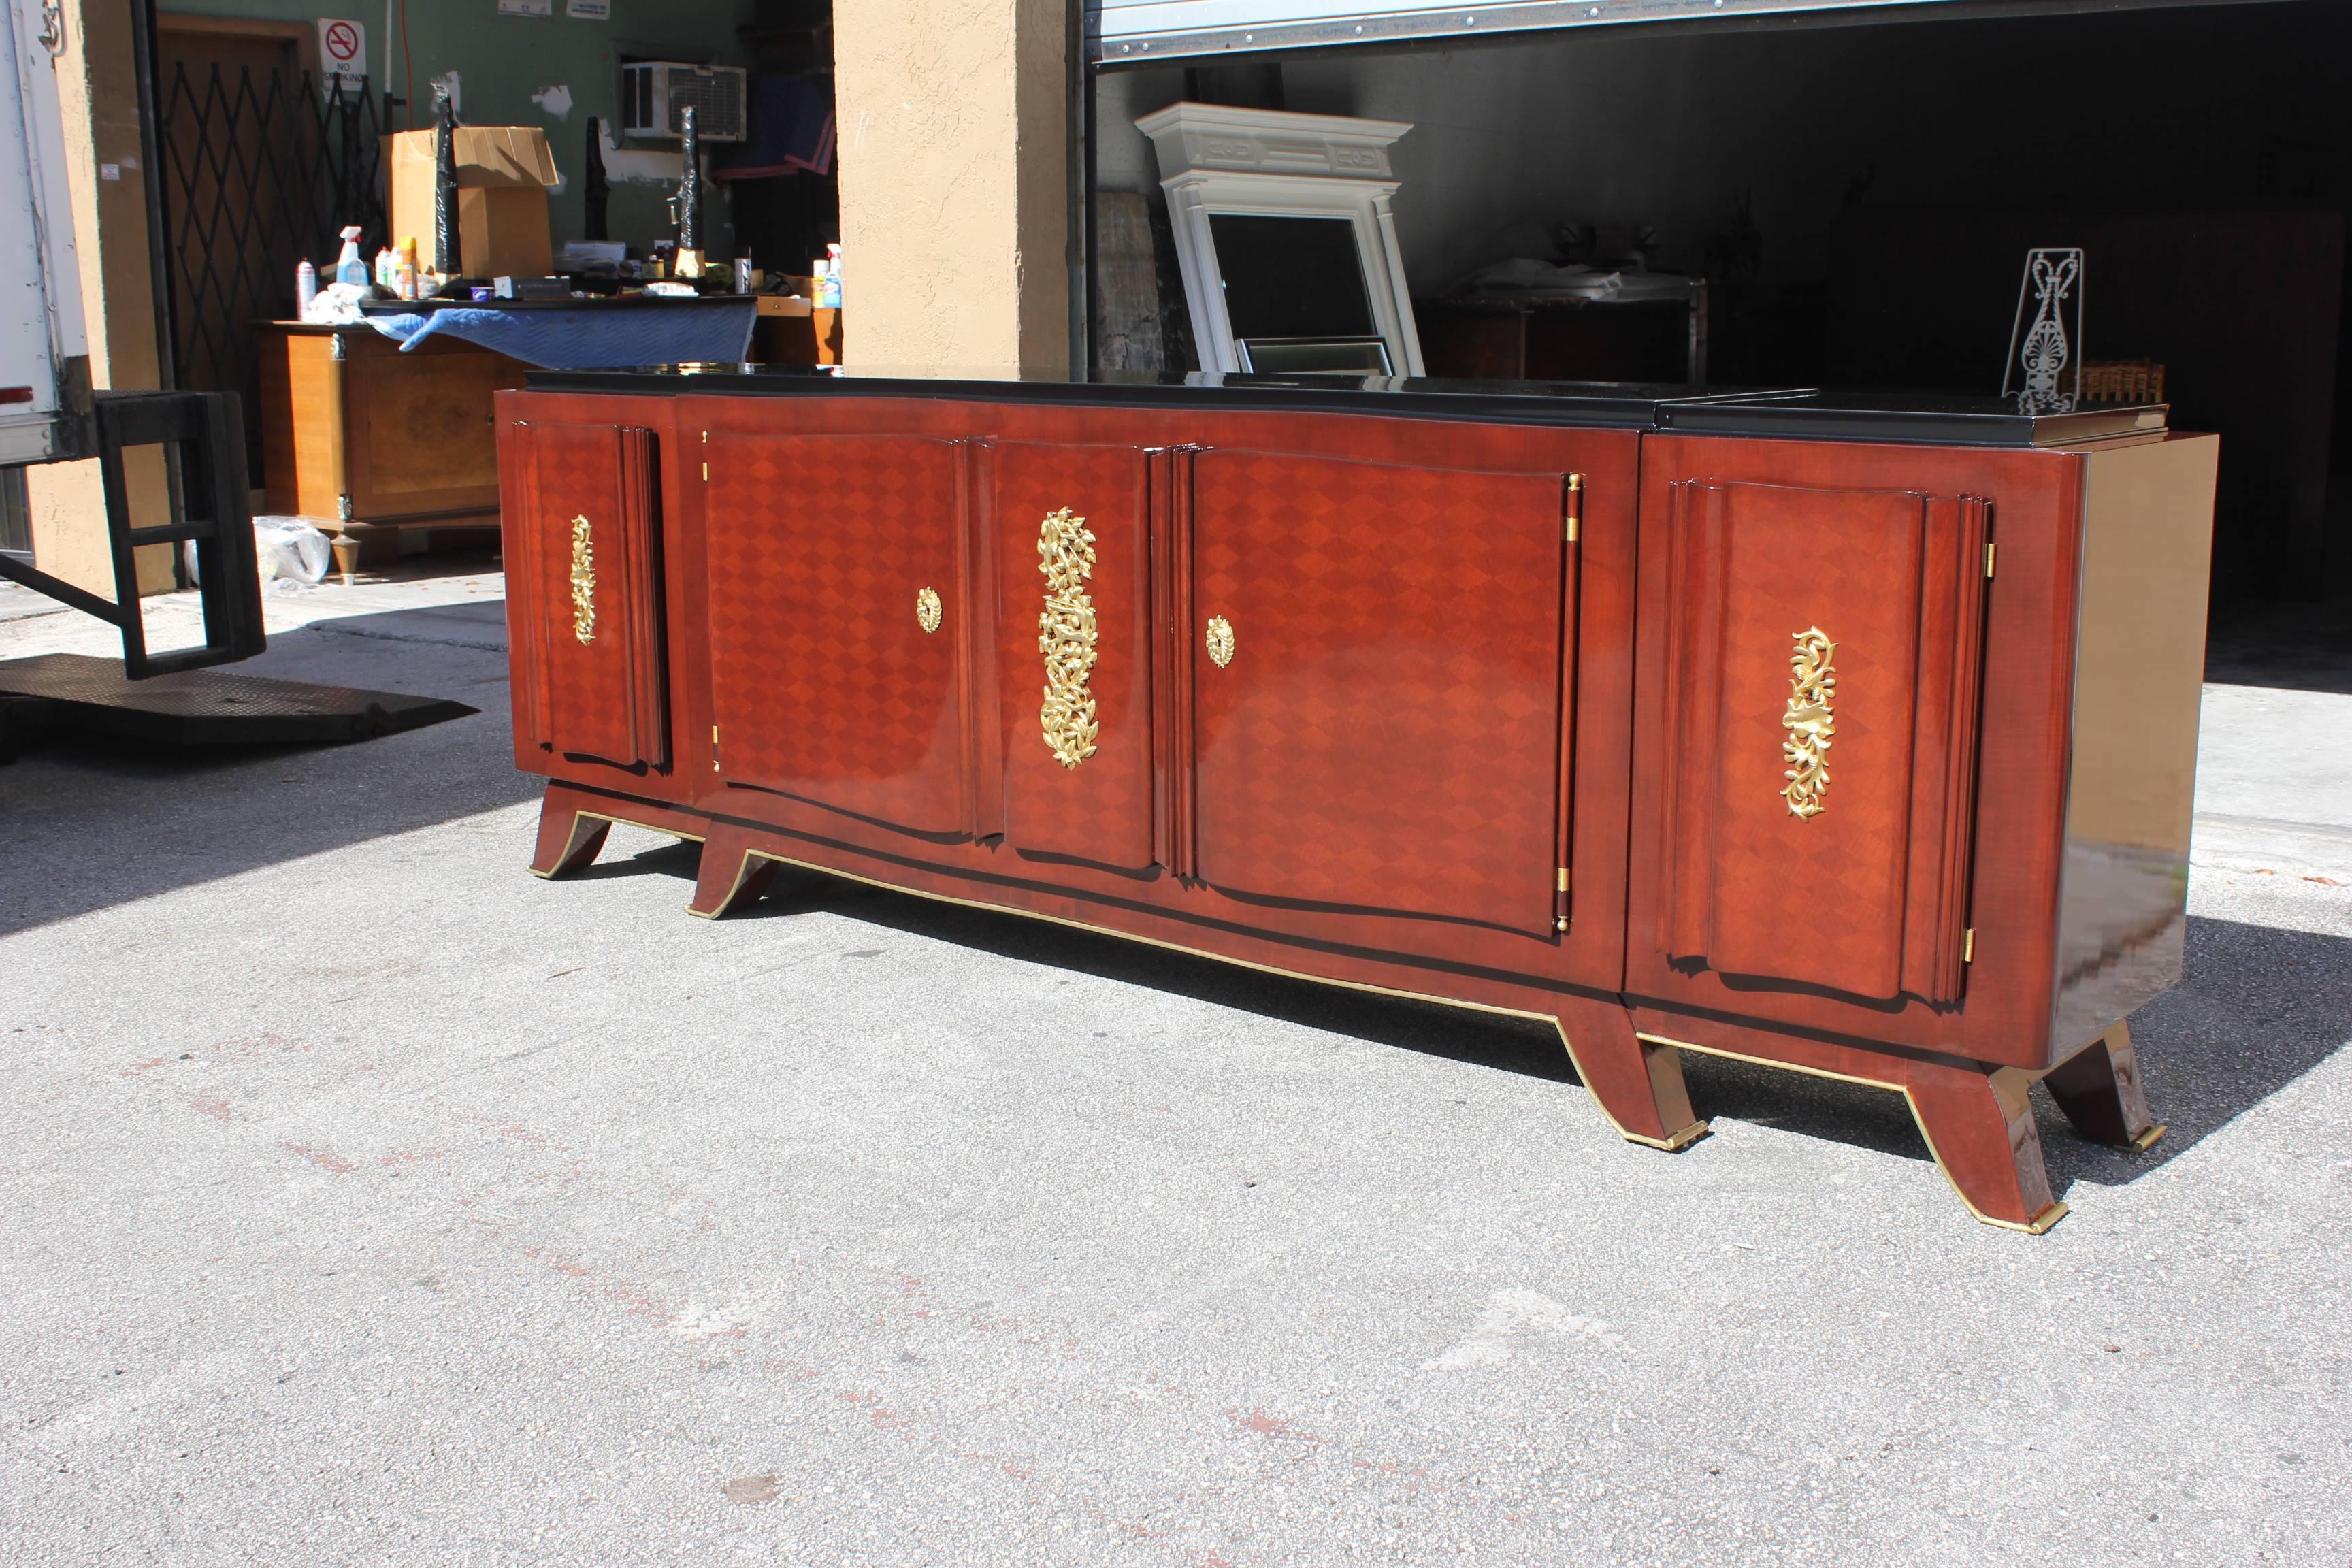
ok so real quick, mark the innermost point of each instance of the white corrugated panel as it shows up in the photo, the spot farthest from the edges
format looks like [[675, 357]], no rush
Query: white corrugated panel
[[1135, 30], [40, 291]]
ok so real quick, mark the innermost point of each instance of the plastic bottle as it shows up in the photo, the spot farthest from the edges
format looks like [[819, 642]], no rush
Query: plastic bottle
[[831, 284], [306, 286], [349, 267], [406, 276]]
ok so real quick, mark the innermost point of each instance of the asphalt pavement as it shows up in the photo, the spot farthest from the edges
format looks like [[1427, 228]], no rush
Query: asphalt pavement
[[366, 1200]]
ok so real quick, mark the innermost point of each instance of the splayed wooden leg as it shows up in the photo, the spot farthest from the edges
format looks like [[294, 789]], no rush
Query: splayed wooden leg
[[731, 876], [1980, 1126], [1638, 1085], [567, 841], [2098, 1088]]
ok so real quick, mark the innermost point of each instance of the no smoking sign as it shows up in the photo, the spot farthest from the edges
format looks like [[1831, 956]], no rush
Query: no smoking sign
[[342, 52]]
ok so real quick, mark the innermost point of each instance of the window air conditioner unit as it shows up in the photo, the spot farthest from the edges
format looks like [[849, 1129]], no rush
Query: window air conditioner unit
[[655, 95]]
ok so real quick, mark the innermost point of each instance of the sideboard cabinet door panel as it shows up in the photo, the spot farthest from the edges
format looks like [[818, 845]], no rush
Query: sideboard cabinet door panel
[[1378, 716], [835, 603], [1824, 654], [594, 682], [1071, 540]]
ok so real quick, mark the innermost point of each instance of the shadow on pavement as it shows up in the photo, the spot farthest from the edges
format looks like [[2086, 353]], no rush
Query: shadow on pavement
[[2299, 647], [1483, 1039], [87, 823], [2258, 1008]]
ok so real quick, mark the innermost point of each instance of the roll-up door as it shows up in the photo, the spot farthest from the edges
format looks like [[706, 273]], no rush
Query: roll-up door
[[1132, 31]]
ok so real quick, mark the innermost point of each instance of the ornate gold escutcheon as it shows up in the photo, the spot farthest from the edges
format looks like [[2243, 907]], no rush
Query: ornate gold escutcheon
[[1065, 636], [583, 581], [1810, 723], [1220, 638], [926, 609]]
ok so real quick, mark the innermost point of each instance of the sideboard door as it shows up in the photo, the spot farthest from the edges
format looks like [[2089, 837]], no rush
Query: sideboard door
[[1377, 664], [1814, 755], [836, 607], [1070, 526], [588, 620]]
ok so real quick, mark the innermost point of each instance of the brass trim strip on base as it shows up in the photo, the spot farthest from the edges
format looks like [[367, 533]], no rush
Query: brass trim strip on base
[[2034, 1227]]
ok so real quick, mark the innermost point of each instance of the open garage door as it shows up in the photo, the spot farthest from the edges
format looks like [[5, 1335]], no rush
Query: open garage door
[[1132, 31]]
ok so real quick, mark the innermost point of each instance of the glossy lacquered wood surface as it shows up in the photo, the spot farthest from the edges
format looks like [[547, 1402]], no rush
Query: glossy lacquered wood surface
[[1851, 924], [1387, 734], [1100, 811], [1860, 888], [1036, 825], [824, 684], [584, 609], [1436, 704]]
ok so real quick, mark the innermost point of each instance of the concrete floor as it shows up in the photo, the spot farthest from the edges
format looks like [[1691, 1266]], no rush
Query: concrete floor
[[368, 1201]]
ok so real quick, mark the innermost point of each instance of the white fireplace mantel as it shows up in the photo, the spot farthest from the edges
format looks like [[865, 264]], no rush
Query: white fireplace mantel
[[1215, 158]]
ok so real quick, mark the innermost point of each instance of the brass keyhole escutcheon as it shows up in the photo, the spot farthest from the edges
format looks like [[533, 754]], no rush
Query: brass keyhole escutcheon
[[1220, 636], [928, 611]]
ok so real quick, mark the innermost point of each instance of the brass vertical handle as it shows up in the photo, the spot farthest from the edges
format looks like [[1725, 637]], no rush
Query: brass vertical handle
[[1811, 720], [583, 581], [1066, 636]]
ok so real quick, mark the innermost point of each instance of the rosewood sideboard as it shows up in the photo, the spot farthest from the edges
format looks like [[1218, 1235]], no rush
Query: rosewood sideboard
[[1854, 737]]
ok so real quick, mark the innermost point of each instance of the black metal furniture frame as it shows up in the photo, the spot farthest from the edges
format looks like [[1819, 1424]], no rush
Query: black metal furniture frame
[[212, 509]]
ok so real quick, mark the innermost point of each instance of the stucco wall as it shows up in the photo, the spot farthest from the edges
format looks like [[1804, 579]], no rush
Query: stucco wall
[[954, 181]]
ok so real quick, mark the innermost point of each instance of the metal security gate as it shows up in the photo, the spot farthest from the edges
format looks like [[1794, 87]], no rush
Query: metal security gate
[[260, 169]]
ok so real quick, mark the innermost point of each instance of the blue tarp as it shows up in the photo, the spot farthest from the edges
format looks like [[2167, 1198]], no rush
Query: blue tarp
[[593, 337]]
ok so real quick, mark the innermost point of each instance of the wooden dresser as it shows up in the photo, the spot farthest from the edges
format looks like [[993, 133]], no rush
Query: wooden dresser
[[1856, 739], [360, 436]]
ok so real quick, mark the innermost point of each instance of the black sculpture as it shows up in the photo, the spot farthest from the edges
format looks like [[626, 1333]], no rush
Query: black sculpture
[[599, 190], [446, 259]]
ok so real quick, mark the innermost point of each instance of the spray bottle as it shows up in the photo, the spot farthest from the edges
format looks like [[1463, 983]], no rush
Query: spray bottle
[[349, 267]]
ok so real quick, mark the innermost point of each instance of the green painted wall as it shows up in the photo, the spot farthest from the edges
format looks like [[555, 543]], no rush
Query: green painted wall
[[501, 61]]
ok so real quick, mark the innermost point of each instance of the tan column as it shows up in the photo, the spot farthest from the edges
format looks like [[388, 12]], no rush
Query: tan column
[[98, 96], [954, 124]]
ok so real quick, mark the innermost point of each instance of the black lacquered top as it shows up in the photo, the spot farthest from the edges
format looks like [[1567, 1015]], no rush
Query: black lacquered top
[[1938, 418]]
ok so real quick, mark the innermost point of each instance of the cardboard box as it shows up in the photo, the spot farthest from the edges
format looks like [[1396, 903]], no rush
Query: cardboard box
[[503, 175]]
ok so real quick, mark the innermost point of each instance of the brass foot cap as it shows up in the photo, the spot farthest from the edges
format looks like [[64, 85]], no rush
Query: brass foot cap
[[2035, 1225], [1673, 1142], [2147, 1141]]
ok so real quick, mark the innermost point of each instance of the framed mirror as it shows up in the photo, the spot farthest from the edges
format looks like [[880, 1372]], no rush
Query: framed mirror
[[1286, 239]]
